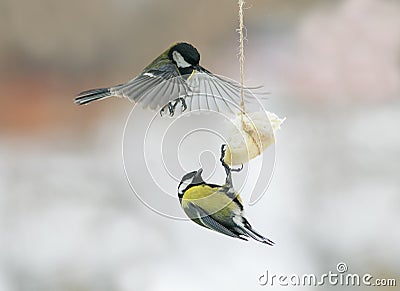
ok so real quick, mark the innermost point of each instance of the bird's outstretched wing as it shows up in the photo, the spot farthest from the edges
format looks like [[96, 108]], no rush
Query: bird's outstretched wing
[[154, 88], [161, 85], [217, 93]]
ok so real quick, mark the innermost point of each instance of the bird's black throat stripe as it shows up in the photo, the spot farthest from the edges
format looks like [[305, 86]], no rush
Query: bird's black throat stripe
[[236, 200], [186, 72]]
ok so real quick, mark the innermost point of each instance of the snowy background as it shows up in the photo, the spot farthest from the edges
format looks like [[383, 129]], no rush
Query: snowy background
[[68, 217]]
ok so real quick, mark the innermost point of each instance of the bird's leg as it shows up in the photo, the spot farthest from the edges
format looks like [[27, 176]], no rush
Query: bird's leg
[[228, 170], [182, 101], [225, 165], [184, 105], [172, 105], [169, 107], [162, 110]]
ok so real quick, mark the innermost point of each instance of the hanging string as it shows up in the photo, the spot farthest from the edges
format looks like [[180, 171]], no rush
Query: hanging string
[[246, 126], [241, 54]]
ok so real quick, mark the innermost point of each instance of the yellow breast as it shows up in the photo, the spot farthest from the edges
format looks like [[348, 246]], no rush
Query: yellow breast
[[211, 199]]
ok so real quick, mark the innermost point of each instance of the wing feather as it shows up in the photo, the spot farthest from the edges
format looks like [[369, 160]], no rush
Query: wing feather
[[151, 88], [207, 221], [155, 87]]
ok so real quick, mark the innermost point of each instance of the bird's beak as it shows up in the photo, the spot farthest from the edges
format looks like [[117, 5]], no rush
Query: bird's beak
[[199, 172], [197, 177]]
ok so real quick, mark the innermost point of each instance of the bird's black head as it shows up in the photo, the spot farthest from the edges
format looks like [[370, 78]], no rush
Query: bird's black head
[[184, 55]]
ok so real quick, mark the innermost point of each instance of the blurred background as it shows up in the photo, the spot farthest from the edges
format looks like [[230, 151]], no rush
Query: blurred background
[[68, 218]]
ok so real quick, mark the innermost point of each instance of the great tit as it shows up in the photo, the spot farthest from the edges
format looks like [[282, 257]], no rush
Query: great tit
[[172, 78], [217, 207]]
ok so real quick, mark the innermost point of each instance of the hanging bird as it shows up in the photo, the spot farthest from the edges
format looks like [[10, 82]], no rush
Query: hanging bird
[[175, 77], [216, 207]]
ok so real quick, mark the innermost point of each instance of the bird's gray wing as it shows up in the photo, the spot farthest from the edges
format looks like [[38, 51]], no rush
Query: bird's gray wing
[[217, 93], [206, 220], [202, 90], [155, 87]]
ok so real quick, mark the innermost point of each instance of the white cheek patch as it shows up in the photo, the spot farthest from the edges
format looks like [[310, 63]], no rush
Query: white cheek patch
[[179, 60], [184, 185]]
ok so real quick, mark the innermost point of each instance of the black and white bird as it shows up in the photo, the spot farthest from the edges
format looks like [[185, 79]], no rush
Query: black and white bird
[[175, 77]]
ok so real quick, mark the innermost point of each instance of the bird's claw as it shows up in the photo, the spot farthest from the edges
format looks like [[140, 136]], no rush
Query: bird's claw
[[237, 169], [225, 165], [184, 105], [223, 151], [171, 109], [163, 110], [172, 105]]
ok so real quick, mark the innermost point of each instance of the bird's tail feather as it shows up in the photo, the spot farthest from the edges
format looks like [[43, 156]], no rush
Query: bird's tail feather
[[258, 237], [92, 95]]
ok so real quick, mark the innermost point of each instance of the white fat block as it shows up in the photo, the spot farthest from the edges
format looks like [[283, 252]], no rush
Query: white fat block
[[249, 134]]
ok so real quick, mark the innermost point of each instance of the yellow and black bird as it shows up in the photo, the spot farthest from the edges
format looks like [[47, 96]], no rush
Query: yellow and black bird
[[216, 207], [175, 77]]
